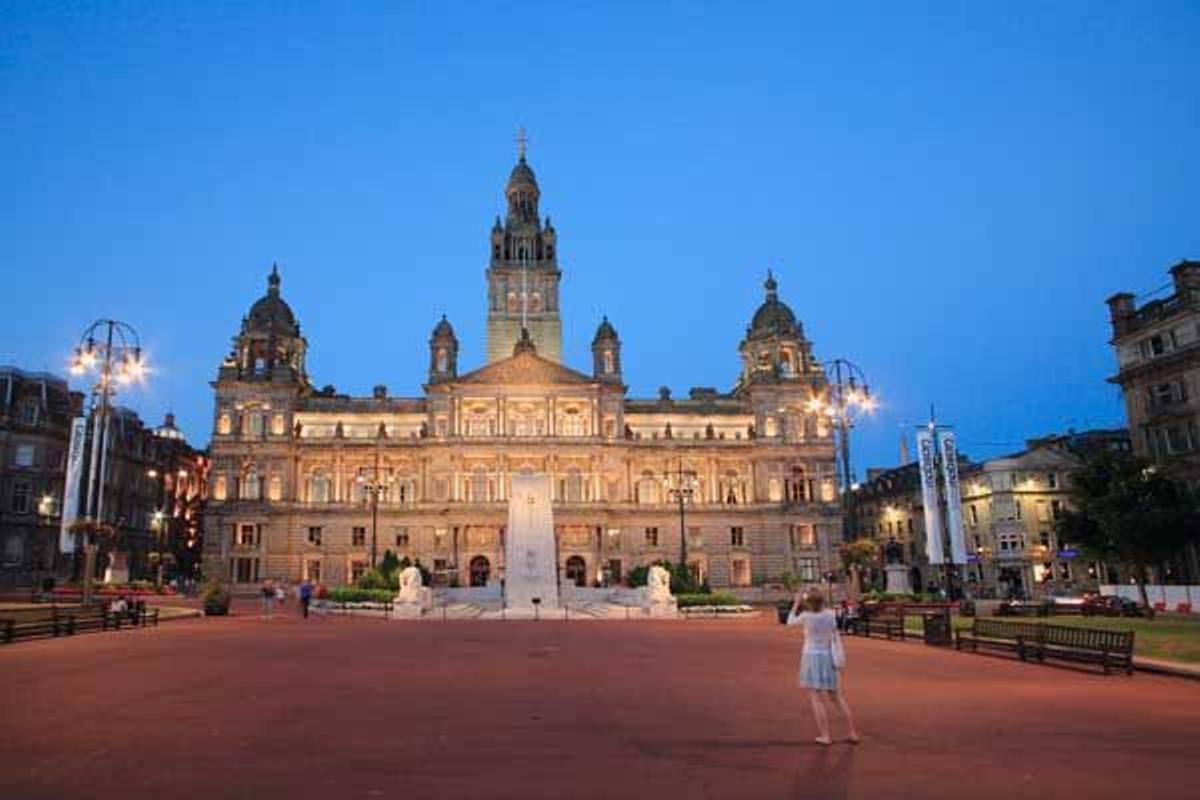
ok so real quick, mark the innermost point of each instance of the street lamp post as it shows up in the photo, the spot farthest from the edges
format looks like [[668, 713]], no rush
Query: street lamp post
[[682, 492], [114, 350], [847, 397], [375, 486]]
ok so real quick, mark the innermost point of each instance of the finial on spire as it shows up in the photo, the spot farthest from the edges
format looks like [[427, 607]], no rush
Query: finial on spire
[[770, 284], [522, 141], [273, 279]]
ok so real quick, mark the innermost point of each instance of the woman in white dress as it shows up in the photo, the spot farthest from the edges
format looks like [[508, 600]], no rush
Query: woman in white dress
[[820, 661]]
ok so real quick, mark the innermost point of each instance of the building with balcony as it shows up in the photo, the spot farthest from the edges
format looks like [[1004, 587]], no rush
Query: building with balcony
[[297, 471]]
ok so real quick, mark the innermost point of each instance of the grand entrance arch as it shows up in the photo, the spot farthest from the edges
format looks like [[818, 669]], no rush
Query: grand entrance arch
[[577, 571], [481, 570]]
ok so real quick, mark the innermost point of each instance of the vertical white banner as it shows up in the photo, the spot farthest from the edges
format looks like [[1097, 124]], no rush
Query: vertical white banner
[[933, 512], [74, 474], [954, 523]]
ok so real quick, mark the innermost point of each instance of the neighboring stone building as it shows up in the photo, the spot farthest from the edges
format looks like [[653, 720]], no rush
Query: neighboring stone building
[[1158, 370], [294, 467], [150, 471], [36, 410], [1009, 505]]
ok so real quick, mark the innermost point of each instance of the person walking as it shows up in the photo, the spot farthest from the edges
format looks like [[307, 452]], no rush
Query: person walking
[[268, 598], [306, 593], [822, 660]]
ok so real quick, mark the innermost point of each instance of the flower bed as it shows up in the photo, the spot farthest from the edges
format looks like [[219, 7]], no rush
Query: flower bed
[[717, 611]]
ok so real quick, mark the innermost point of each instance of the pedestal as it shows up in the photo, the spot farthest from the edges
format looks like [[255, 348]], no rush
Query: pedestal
[[117, 570], [897, 579]]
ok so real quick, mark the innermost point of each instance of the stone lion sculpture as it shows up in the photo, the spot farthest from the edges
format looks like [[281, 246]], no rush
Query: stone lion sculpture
[[410, 585], [658, 584]]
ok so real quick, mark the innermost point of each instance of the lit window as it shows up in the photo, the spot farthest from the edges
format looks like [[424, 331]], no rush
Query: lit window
[[23, 455]]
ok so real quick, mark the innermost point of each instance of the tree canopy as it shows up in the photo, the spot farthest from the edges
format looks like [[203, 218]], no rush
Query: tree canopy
[[1127, 512]]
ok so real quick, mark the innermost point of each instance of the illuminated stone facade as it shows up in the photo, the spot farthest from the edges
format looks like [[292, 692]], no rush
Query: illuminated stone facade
[[293, 467]]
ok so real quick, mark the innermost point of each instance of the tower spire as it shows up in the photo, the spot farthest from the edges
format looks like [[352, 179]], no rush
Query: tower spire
[[522, 141]]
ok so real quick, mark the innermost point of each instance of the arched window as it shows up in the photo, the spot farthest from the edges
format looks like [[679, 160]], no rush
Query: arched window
[[225, 424], [251, 486], [319, 485], [478, 486], [775, 490], [512, 302], [535, 303], [574, 486], [219, 490], [443, 361], [275, 488], [609, 363], [647, 489], [770, 427]]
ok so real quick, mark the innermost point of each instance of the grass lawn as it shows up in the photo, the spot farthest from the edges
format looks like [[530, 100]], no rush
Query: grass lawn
[[1169, 637]]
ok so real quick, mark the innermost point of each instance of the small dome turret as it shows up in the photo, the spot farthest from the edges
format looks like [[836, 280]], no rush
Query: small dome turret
[[443, 352], [270, 313], [606, 353], [773, 318]]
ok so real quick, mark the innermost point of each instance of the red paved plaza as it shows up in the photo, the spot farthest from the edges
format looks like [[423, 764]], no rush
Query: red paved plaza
[[356, 708]]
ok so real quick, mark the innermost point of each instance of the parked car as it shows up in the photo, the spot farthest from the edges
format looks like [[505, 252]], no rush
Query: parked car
[[1111, 606]]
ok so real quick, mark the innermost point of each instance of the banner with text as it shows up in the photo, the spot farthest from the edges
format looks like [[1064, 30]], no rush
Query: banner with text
[[926, 456], [70, 498], [954, 523]]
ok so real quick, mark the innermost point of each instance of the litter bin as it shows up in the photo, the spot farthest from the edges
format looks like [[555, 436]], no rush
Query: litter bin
[[937, 628]]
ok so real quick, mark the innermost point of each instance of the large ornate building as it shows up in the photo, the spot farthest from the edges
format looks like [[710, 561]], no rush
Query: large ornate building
[[305, 483]]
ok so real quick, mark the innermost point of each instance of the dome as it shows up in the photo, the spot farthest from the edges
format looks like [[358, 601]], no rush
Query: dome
[[443, 330], [168, 429], [522, 175], [773, 317], [271, 313], [605, 332]]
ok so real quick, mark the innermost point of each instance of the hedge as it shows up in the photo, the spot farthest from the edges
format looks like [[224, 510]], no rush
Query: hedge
[[714, 599], [351, 594]]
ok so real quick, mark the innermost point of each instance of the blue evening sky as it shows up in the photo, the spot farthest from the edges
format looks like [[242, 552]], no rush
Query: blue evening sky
[[946, 192]]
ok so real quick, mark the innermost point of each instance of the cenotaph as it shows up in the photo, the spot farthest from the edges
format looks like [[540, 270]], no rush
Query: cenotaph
[[530, 554]]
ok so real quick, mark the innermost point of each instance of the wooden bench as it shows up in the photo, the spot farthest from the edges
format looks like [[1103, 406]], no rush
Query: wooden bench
[[886, 623], [1109, 649], [995, 634], [42, 623], [1087, 645], [1022, 609]]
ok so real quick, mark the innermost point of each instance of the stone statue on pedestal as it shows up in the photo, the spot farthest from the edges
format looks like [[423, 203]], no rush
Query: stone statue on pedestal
[[658, 599], [413, 598]]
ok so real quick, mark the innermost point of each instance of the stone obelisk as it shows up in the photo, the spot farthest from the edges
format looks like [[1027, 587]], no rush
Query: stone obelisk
[[530, 558]]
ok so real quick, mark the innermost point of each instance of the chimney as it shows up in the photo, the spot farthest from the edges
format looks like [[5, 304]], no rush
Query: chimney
[[1120, 309]]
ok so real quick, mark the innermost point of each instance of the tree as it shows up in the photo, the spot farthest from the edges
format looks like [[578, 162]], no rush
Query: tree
[[857, 557], [1127, 512]]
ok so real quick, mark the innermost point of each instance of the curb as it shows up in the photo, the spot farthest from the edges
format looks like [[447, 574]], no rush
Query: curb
[[1170, 668]]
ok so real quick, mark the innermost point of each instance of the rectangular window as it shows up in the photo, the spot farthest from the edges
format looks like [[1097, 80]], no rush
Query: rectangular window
[[358, 537], [314, 535], [1052, 480], [20, 497], [439, 539], [737, 536], [23, 455], [401, 537], [219, 490], [357, 570], [245, 570], [652, 537], [312, 569], [275, 488], [807, 569], [254, 425], [806, 535], [614, 539], [1044, 539], [1056, 509], [1043, 512], [739, 572], [247, 534], [695, 537], [277, 425]]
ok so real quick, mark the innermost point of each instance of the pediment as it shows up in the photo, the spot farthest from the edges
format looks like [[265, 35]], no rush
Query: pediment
[[525, 369]]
